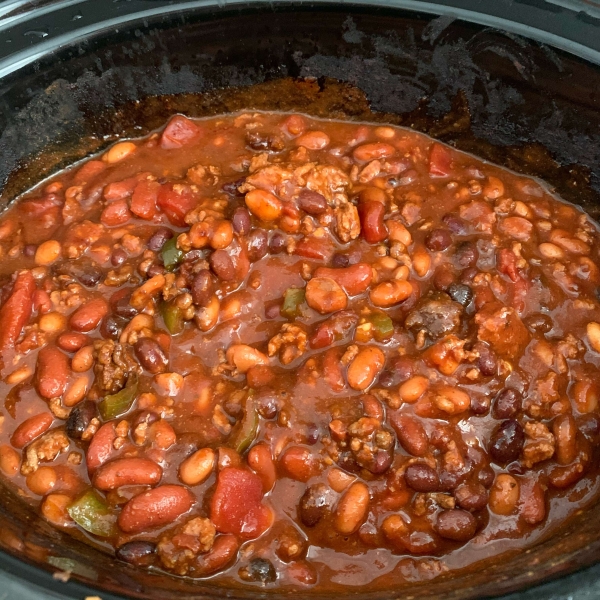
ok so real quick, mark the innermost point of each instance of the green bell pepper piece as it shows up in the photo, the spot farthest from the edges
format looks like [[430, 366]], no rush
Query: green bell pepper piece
[[171, 255], [118, 404], [91, 512], [173, 318], [244, 431], [293, 301], [383, 326]]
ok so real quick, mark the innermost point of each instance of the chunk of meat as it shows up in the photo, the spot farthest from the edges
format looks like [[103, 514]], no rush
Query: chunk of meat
[[436, 314], [113, 365], [539, 444], [290, 343], [347, 222], [44, 449], [179, 549], [501, 327]]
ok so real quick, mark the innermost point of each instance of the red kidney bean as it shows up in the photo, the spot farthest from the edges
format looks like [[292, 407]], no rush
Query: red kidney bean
[[299, 463], [457, 525], [155, 508], [223, 552], [455, 224], [443, 277], [411, 434], [258, 244], [438, 240], [311, 202], [422, 478], [127, 471], [88, 316], [159, 238], [538, 322], [30, 429], [325, 295], [222, 265], [150, 355], [532, 502], [506, 442], [506, 404], [354, 279], [371, 216], [339, 260], [240, 220], [101, 446], [79, 419], [139, 553], [471, 496], [260, 376], [52, 372], [110, 328], [71, 341]]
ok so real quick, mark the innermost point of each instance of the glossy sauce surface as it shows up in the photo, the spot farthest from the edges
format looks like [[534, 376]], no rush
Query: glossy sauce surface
[[281, 351]]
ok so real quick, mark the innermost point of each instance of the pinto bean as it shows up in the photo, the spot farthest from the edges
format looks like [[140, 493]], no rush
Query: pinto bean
[[197, 467], [76, 391], [127, 471], [222, 235], [565, 432], [398, 232], [313, 140], [9, 460], [411, 434], [585, 396], [88, 316], [299, 463], [325, 295], [83, 359], [451, 399], [365, 367], [54, 509], [371, 216], [47, 253], [52, 372], [421, 262], [119, 151], [243, 357], [504, 494], [30, 429], [261, 462], [593, 334], [412, 389], [352, 509], [354, 279], [155, 508], [372, 151], [389, 293], [42, 481], [264, 205], [208, 316], [569, 244]]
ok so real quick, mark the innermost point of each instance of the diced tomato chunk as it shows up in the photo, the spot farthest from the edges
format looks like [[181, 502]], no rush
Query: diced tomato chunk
[[16, 311], [143, 201], [440, 161], [237, 504], [507, 263], [118, 190], [176, 200], [178, 132], [116, 213]]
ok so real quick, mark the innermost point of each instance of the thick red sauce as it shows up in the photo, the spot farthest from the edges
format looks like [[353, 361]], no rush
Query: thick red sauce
[[283, 351]]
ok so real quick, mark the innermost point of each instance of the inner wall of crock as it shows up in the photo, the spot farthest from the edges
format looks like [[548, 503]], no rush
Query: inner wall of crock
[[512, 101]]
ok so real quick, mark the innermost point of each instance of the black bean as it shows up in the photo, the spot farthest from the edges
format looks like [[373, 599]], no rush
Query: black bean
[[487, 361], [273, 310], [118, 257], [158, 239], [110, 328], [258, 244], [480, 404], [456, 524], [122, 308], [259, 142], [312, 203], [486, 476], [506, 404], [259, 570], [388, 379], [455, 224], [202, 288], [266, 403], [315, 504], [222, 265], [461, 293], [339, 260], [277, 243], [231, 187], [80, 418], [150, 355], [155, 269], [471, 496], [138, 552], [240, 220], [403, 368], [312, 434], [194, 255], [466, 255], [29, 250], [539, 323], [438, 240], [507, 442], [422, 478]]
